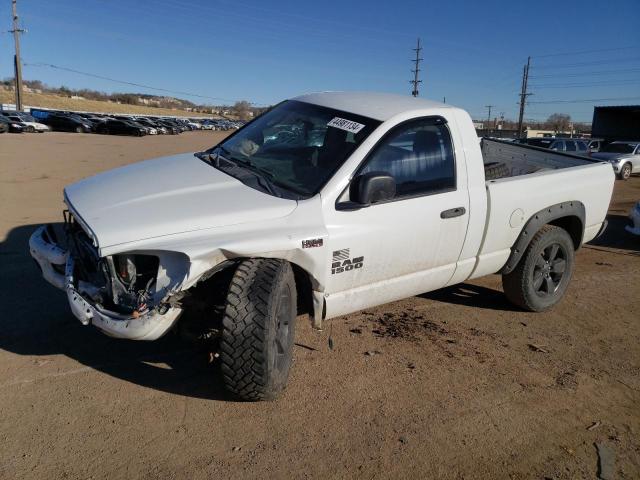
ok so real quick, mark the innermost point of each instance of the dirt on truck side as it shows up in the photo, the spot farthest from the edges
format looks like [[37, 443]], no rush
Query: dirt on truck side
[[453, 384]]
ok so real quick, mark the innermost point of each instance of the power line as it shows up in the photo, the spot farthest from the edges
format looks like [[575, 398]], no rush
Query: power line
[[588, 84], [582, 52], [582, 74], [581, 64], [585, 100], [416, 71], [124, 82]]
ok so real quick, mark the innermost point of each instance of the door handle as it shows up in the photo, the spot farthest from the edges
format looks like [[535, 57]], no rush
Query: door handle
[[453, 212]]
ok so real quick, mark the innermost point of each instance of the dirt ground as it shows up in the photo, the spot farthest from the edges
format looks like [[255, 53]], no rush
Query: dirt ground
[[452, 384]]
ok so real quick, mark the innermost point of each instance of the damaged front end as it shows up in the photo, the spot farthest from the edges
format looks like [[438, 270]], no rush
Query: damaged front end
[[130, 295]]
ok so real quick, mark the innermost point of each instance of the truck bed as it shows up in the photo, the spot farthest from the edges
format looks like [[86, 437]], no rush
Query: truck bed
[[525, 159], [538, 179]]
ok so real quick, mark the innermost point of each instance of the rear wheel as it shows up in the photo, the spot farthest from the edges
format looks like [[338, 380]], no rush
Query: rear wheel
[[30, 129], [625, 172], [258, 329], [541, 278]]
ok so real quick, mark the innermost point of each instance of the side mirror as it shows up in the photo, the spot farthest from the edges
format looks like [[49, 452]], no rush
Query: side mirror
[[372, 187]]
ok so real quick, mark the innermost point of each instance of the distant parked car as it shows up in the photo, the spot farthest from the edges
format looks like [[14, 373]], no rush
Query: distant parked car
[[172, 128], [121, 127], [153, 126], [595, 145], [624, 157], [66, 123], [30, 126], [208, 125], [573, 145], [13, 127]]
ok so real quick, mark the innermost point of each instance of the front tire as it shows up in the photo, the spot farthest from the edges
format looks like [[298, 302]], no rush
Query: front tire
[[79, 130], [541, 278], [625, 172], [256, 348]]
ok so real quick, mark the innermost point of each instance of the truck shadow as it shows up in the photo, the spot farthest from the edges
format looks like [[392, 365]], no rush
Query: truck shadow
[[37, 321], [472, 296], [615, 236]]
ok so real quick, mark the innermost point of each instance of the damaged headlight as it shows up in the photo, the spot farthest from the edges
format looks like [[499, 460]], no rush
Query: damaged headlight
[[136, 271], [132, 279]]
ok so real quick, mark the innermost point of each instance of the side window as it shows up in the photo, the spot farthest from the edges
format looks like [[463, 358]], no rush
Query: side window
[[571, 145], [418, 155], [558, 145]]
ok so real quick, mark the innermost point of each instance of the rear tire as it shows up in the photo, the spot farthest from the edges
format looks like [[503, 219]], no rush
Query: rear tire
[[258, 329], [625, 172], [541, 278], [30, 129]]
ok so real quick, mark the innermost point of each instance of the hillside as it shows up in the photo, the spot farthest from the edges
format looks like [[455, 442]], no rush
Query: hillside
[[45, 100]]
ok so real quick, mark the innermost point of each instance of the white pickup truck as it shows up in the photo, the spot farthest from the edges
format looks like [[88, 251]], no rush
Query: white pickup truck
[[327, 204]]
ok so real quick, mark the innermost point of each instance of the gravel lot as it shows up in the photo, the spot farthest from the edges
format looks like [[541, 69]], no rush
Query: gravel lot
[[451, 384]]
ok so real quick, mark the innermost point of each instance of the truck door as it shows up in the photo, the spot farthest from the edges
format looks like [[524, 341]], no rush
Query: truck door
[[410, 244]]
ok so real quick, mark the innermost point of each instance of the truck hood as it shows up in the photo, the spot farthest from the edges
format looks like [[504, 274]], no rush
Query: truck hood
[[610, 155], [166, 196]]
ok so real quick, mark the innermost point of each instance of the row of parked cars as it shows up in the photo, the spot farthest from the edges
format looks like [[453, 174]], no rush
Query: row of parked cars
[[45, 120], [624, 156]]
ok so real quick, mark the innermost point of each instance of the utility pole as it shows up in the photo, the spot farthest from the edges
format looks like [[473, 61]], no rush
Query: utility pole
[[17, 65], [417, 61], [523, 95], [489, 115]]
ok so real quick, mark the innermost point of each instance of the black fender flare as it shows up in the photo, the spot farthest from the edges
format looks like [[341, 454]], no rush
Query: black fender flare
[[573, 208]]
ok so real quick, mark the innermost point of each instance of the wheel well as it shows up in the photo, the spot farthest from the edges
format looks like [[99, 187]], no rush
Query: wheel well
[[303, 290], [567, 215], [573, 226], [220, 276]]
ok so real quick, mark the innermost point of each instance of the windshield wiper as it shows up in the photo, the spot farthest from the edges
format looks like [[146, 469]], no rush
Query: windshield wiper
[[264, 177]]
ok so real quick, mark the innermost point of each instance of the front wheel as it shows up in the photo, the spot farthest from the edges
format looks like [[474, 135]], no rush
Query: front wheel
[[79, 129], [625, 172], [30, 129], [541, 278], [256, 348]]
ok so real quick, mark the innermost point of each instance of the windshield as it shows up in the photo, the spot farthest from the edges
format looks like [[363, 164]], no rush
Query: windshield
[[618, 148], [297, 145]]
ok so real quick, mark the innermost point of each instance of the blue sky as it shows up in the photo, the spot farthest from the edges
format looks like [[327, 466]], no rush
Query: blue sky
[[267, 51]]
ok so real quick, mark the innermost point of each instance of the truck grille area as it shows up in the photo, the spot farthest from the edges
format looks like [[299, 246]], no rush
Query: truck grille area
[[120, 283]]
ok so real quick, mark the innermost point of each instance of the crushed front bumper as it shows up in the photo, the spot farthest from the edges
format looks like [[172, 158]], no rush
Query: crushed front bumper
[[54, 260]]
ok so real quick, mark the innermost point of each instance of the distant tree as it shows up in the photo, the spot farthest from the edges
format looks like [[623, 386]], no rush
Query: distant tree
[[65, 91], [558, 122], [242, 109]]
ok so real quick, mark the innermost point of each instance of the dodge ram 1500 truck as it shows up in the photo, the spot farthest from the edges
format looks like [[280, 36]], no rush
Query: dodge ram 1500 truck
[[326, 204]]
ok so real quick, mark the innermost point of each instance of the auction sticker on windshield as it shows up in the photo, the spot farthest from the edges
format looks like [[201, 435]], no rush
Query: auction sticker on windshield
[[344, 124]]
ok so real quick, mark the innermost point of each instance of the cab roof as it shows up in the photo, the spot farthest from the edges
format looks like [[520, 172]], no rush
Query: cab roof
[[379, 106]]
